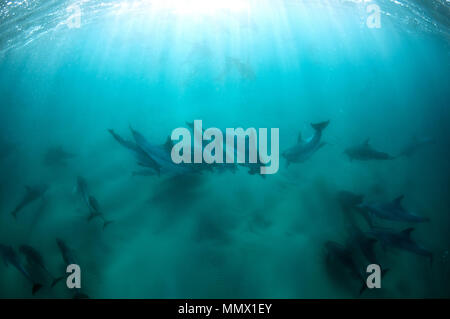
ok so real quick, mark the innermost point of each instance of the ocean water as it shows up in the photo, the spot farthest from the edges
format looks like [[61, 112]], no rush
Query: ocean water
[[155, 65]]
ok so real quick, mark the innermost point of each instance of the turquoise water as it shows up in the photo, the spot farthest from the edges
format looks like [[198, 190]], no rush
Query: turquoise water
[[155, 65]]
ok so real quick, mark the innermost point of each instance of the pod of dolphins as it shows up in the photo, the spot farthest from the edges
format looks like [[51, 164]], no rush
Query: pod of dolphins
[[155, 160]]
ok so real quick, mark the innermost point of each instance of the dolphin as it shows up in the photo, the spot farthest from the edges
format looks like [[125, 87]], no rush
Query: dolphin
[[415, 145], [349, 204], [81, 189], [67, 254], [365, 152], [155, 157], [400, 240], [143, 159], [161, 157], [34, 258], [343, 257], [365, 244], [392, 211], [32, 194], [349, 200], [94, 211], [57, 156], [10, 256], [305, 148]]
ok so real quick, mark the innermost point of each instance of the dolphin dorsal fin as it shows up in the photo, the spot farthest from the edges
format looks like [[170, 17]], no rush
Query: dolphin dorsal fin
[[367, 142], [190, 124], [407, 232], [398, 201], [168, 144], [299, 138]]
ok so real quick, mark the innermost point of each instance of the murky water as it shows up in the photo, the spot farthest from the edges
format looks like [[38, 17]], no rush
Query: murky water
[[72, 70]]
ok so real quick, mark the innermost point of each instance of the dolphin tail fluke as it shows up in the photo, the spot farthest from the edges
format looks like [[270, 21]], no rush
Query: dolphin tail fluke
[[190, 124], [363, 288], [111, 131], [320, 126], [92, 216], [14, 213], [106, 223], [36, 288], [322, 144], [55, 281]]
